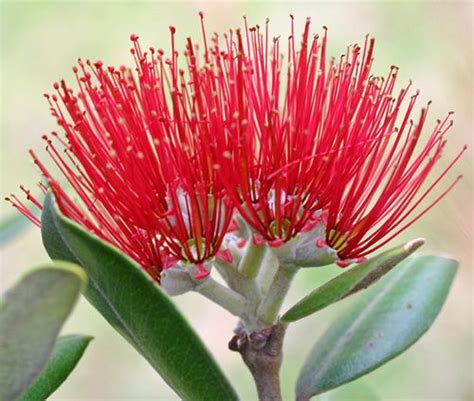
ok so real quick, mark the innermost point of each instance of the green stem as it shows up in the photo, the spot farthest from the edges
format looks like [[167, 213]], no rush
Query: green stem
[[271, 304], [267, 272], [252, 259], [246, 287], [229, 273], [223, 296]]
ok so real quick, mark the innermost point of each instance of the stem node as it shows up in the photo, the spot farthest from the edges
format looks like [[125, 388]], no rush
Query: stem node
[[262, 352]]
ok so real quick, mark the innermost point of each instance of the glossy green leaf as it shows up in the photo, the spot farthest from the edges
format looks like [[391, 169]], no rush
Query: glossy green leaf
[[66, 354], [385, 321], [31, 316], [132, 302], [351, 281]]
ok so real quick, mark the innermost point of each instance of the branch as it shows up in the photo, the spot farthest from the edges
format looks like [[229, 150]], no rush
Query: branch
[[262, 353]]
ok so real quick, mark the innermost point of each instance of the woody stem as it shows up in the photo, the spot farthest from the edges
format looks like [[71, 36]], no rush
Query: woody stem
[[262, 353]]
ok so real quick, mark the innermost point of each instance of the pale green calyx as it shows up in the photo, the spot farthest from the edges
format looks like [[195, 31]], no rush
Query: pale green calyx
[[177, 280], [303, 251], [182, 278]]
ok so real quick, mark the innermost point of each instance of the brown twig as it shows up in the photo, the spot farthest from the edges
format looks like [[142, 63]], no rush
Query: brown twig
[[262, 353]]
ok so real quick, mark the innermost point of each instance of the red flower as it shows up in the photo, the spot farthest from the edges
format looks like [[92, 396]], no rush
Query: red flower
[[141, 164], [385, 193], [160, 158], [325, 141]]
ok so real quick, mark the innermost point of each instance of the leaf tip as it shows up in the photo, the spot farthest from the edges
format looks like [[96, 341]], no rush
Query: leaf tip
[[413, 245]]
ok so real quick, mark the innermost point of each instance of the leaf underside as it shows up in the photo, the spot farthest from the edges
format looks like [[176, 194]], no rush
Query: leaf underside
[[31, 315], [386, 320]]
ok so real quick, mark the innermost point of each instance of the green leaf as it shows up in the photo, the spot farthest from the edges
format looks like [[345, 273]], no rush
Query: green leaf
[[350, 282], [31, 316], [388, 318], [66, 354], [136, 307]]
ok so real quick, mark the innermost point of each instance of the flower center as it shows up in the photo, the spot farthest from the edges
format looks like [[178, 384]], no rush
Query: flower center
[[337, 240], [195, 248], [281, 228]]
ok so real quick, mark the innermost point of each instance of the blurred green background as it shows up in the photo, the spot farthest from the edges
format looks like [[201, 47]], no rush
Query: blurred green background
[[431, 42]]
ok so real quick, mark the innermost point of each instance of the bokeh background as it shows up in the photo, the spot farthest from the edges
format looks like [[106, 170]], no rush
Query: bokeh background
[[432, 43]]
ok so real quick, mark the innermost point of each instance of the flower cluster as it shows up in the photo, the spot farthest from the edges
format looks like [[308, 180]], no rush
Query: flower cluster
[[317, 156]]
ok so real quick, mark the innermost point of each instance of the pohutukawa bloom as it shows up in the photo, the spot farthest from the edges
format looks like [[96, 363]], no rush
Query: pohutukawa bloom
[[318, 156], [287, 139], [385, 194], [248, 140], [332, 151], [138, 152]]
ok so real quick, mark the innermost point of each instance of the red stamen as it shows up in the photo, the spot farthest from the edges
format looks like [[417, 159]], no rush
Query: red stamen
[[159, 156]]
